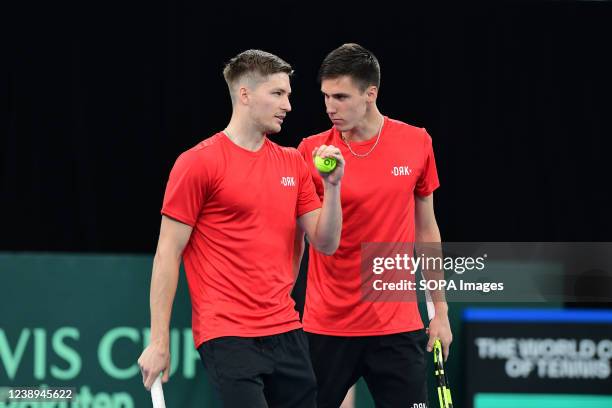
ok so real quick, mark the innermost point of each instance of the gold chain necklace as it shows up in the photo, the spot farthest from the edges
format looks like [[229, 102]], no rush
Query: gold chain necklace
[[346, 142]]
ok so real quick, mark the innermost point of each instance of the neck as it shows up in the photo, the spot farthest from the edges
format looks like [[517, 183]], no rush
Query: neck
[[367, 128], [244, 134]]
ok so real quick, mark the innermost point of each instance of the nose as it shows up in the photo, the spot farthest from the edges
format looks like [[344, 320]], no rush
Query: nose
[[329, 107], [286, 105]]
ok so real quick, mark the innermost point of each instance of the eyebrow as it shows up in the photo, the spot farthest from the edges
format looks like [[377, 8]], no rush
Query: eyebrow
[[281, 90], [336, 95]]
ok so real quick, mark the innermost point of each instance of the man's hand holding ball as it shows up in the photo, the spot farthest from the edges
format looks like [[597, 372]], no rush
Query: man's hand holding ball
[[329, 162]]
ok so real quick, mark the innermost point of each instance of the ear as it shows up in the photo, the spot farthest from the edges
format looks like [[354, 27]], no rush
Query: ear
[[371, 93], [243, 95]]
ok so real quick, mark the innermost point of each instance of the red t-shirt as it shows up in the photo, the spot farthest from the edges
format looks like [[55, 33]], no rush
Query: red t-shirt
[[243, 207], [377, 206]]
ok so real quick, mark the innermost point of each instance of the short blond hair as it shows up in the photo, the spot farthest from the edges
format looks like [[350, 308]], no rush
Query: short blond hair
[[256, 64]]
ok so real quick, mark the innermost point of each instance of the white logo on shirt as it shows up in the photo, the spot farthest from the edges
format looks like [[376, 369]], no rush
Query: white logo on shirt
[[401, 171], [288, 181], [419, 405]]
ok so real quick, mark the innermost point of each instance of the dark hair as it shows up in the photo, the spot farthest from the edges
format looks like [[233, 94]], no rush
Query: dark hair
[[256, 62], [354, 61]]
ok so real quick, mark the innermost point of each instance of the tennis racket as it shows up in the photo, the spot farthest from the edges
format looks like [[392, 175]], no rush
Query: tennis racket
[[444, 394]]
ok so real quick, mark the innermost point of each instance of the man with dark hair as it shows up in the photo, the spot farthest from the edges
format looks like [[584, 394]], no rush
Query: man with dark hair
[[230, 211], [387, 197]]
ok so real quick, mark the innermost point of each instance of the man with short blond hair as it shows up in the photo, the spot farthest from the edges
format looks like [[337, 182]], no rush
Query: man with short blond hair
[[230, 211]]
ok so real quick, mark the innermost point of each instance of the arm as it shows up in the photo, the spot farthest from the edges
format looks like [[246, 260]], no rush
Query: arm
[[427, 231], [323, 226], [173, 236]]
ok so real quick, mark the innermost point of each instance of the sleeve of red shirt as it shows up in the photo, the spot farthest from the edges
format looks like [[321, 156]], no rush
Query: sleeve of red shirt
[[302, 149], [428, 181], [308, 200], [187, 189]]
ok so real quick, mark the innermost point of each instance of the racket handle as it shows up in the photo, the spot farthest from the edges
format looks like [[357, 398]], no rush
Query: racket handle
[[157, 394]]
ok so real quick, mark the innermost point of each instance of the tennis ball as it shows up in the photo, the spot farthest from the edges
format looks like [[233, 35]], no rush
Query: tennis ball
[[325, 165]]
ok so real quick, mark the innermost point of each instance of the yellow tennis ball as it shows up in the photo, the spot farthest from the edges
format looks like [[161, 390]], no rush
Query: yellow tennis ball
[[325, 165]]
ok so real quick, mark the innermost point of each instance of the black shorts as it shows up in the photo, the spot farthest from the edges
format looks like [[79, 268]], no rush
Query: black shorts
[[260, 372], [393, 366]]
